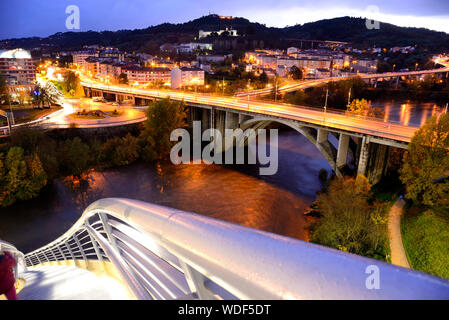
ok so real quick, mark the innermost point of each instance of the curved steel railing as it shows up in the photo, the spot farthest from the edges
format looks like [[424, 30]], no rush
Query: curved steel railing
[[164, 253]]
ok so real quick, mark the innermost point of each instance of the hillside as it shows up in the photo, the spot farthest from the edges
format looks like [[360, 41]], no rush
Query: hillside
[[354, 30], [346, 29]]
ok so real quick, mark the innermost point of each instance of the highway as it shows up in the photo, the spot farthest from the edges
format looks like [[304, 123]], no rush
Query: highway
[[61, 119], [330, 119], [316, 82]]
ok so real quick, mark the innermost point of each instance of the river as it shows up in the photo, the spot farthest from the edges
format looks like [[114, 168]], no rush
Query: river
[[409, 113], [234, 193]]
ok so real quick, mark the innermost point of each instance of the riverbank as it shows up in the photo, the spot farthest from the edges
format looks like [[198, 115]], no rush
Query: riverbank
[[426, 241], [234, 193], [397, 252]]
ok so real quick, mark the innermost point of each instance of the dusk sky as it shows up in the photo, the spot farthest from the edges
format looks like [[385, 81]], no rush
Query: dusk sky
[[25, 18]]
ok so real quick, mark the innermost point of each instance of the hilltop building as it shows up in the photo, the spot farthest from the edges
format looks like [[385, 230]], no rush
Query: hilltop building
[[227, 31]]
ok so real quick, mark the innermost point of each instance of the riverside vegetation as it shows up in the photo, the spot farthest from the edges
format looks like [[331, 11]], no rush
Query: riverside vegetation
[[33, 157], [354, 214]]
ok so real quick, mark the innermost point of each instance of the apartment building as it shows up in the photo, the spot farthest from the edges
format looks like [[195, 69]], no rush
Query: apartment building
[[80, 57], [17, 67], [192, 46], [182, 77], [143, 75]]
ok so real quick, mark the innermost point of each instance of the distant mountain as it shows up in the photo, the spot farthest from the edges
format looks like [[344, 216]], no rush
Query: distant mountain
[[354, 30], [346, 29]]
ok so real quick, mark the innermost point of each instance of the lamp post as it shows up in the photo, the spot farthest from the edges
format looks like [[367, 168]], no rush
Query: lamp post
[[325, 104], [275, 89], [349, 99], [10, 106]]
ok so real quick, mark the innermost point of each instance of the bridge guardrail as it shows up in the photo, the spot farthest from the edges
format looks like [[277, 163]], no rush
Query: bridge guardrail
[[240, 99], [173, 254]]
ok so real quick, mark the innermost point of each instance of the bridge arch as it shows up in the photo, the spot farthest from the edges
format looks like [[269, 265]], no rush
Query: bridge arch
[[324, 146]]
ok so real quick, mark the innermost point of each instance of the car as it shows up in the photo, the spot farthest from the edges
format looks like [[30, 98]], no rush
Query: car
[[98, 99]]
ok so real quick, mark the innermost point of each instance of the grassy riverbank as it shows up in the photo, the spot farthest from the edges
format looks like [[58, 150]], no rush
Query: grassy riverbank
[[426, 241]]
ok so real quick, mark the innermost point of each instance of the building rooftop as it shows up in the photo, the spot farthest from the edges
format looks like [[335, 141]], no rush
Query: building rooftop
[[15, 54], [134, 68], [190, 69]]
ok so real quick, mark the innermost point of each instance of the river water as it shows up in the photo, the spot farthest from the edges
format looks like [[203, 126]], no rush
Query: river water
[[409, 113], [234, 193]]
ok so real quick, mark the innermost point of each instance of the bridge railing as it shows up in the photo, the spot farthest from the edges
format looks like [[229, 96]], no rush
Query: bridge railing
[[242, 100], [164, 253]]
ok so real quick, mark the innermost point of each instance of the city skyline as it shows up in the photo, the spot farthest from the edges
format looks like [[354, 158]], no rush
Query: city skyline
[[20, 16]]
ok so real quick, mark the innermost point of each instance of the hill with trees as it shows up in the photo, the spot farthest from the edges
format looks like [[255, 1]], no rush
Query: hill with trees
[[347, 29]]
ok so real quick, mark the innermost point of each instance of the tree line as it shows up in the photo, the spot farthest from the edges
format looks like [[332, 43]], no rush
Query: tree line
[[352, 220], [33, 157]]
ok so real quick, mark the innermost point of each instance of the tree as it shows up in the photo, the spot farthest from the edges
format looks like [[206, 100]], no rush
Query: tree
[[44, 95], [348, 221], [33, 140], [163, 117], [120, 151], [23, 97], [21, 177], [123, 78], [74, 156], [263, 78], [425, 170], [4, 92], [363, 108], [296, 73], [72, 84], [49, 96]]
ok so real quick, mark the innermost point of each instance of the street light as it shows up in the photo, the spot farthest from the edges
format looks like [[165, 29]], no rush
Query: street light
[[325, 104]]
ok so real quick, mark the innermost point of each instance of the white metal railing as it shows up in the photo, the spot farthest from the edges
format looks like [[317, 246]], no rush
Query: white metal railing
[[163, 253]]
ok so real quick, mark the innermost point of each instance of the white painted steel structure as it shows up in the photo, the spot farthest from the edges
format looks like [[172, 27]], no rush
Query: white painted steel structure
[[164, 253]]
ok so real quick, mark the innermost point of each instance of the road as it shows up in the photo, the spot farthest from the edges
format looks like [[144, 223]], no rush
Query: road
[[61, 118], [316, 82]]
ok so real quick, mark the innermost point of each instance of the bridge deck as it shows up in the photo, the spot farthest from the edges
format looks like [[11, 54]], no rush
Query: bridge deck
[[69, 283], [314, 116]]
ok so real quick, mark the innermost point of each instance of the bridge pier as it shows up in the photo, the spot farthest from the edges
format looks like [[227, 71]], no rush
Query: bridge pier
[[342, 151], [232, 120], [373, 160]]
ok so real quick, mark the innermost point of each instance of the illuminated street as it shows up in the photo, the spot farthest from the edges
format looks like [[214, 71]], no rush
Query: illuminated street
[[311, 115]]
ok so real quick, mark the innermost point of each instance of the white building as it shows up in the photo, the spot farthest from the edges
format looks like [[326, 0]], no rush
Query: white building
[[142, 75], [365, 65], [192, 46], [17, 66], [183, 77], [292, 50], [213, 58], [80, 57], [204, 34]]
